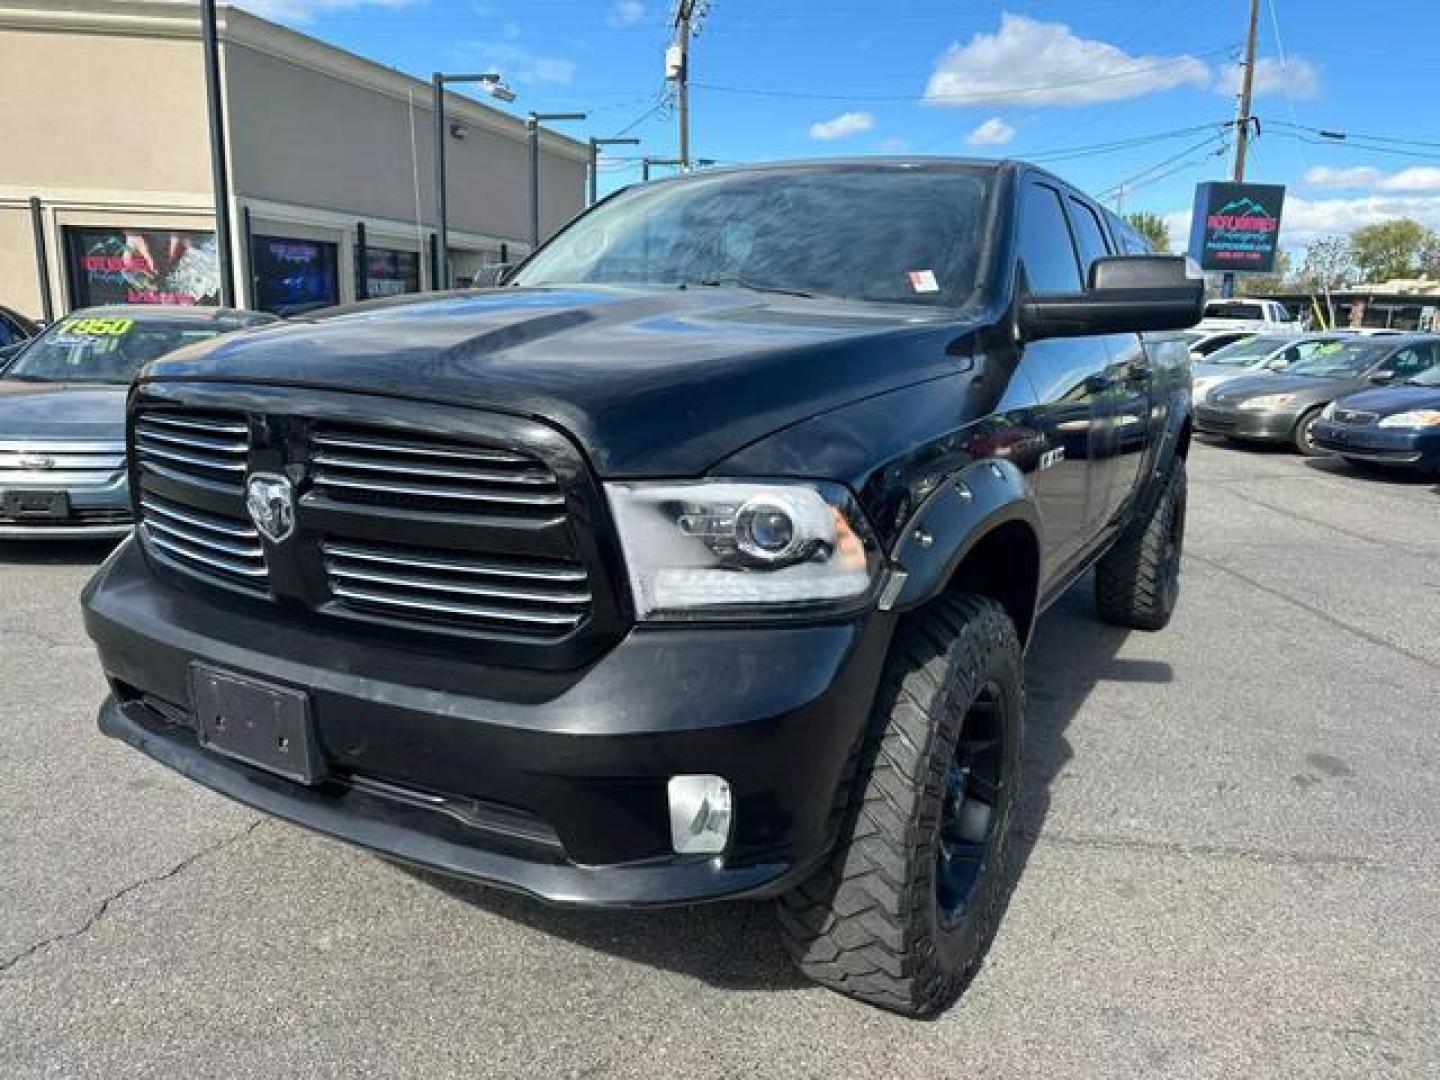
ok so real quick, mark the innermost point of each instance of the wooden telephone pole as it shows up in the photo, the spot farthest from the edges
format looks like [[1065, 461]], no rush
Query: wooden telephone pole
[[1243, 119]]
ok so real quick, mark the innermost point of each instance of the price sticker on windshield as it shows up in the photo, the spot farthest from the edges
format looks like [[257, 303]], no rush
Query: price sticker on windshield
[[923, 281], [96, 327]]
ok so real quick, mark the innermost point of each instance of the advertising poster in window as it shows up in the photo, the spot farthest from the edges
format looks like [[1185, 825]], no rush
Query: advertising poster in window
[[293, 276], [1236, 227], [390, 272], [142, 266]]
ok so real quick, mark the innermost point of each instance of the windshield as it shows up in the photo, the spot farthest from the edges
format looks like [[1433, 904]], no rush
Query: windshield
[[1339, 361], [1247, 352], [884, 233], [96, 350]]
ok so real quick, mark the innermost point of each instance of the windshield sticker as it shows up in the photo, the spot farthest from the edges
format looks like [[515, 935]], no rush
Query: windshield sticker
[[923, 281], [95, 327]]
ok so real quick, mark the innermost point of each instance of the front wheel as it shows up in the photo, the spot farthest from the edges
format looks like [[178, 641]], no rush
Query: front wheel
[[1304, 434], [904, 911]]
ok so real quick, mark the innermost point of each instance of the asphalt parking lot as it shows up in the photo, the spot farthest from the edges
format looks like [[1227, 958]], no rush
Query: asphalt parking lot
[[1230, 846]]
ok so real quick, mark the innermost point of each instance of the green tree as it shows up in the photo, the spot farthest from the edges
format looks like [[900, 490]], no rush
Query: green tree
[[1152, 227], [1329, 263], [1389, 249], [1265, 284]]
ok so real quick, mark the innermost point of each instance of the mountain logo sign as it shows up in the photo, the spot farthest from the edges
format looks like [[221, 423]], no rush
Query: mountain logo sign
[[1236, 227]]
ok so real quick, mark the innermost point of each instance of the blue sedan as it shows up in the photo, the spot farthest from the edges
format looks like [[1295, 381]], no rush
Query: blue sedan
[[1396, 425]]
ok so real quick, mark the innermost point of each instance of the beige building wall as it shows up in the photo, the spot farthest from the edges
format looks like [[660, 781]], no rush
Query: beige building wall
[[19, 284]]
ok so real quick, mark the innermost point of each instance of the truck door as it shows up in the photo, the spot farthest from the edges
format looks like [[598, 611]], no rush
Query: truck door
[[1122, 399], [1066, 374]]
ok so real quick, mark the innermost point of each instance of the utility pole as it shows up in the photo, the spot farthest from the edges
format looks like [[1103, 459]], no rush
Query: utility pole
[[688, 15], [218, 173], [1243, 119], [595, 145]]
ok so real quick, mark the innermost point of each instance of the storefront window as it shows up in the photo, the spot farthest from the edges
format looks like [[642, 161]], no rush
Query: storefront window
[[389, 272], [141, 266], [292, 276]]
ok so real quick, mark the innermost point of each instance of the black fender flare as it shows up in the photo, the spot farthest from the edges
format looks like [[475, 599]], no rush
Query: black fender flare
[[966, 507]]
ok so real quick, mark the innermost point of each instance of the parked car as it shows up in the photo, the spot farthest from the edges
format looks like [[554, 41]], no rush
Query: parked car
[[1390, 425], [1252, 315], [698, 561], [15, 331], [1256, 356], [1202, 343], [62, 415], [1285, 406]]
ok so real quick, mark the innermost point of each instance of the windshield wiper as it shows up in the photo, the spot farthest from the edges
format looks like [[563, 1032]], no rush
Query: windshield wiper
[[749, 286]]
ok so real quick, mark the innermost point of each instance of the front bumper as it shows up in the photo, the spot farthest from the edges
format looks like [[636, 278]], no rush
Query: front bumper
[[96, 511], [1215, 419], [1387, 446], [552, 784]]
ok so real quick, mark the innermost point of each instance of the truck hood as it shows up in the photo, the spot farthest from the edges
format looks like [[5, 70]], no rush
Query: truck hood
[[61, 411], [659, 381]]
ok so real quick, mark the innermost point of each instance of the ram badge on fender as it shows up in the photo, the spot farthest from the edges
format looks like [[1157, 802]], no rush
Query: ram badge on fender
[[697, 561]]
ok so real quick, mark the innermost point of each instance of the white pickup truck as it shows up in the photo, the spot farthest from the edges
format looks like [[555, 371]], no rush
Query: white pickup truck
[[1257, 315]]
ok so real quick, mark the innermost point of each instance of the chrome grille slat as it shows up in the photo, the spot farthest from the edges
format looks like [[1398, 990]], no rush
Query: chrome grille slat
[[476, 611], [223, 526], [457, 565], [169, 543], [208, 449], [451, 472], [498, 592], [438, 491], [184, 533], [399, 446]]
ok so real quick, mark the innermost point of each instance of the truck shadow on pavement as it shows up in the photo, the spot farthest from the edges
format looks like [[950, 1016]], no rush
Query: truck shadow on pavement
[[736, 945]]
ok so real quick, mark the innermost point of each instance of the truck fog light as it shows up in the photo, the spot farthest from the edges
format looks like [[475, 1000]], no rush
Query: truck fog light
[[699, 814]]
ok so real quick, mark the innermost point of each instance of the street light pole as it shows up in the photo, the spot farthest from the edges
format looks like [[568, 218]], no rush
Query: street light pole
[[532, 126], [218, 174], [595, 145], [442, 229]]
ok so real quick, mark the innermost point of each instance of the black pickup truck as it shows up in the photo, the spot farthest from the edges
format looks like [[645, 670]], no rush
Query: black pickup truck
[[697, 561]]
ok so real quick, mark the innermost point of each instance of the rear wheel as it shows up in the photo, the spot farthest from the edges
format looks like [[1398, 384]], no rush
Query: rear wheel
[[1304, 434], [903, 913], [1137, 583]]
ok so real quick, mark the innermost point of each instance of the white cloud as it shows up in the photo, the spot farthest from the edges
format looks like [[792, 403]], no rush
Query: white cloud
[[1296, 78], [993, 132], [1415, 178], [627, 12], [517, 64], [1028, 62], [838, 127], [1306, 220], [305, 11], [511, 31], [1357, 176]]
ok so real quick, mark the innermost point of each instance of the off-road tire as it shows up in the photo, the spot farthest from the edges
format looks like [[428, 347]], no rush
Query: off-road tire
[[1301, 435], [1137, 583], [870, 924]]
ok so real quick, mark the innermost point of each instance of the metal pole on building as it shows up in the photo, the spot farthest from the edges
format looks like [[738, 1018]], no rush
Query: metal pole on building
[[532, 128], [493, 82], [1243, 119], [362, 263], [42, 260], [219, 173], [595, 145]]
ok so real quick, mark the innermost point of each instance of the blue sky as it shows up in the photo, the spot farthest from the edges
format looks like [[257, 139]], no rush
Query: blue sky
[[1114, 95]]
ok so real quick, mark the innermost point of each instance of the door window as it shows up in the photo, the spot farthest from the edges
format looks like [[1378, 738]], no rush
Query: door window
[[1088, 234], [1045, 248]]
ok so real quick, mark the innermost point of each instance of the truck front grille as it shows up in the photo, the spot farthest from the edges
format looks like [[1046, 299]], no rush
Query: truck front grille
[[543, 599], [203, 543], [209, 449], [421, 472]]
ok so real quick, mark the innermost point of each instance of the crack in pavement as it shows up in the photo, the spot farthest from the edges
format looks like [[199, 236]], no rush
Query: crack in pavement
[[93, 919], [1324, 616], [1267, 857]]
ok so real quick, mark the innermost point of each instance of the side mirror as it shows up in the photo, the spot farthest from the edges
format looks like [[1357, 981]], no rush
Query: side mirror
[[1380, 378], [491, 276], [1125, 294]]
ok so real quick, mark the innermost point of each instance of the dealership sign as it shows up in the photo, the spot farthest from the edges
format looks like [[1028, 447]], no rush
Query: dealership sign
[[1236, 227]]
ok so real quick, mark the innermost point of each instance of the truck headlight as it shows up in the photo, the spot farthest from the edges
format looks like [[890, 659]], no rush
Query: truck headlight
[[1416, 418], [698, 549], [1266, 401]]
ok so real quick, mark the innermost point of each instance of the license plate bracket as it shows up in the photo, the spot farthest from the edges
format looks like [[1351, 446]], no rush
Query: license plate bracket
[[259, 723], [36, 505]]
